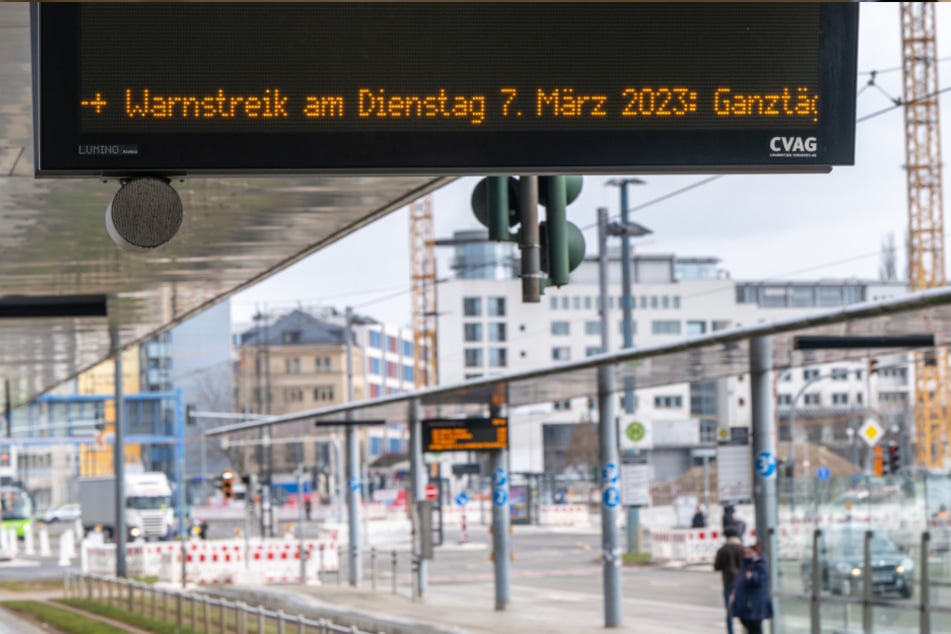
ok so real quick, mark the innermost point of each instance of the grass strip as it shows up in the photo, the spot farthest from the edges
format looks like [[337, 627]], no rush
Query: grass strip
[[61, 619], [118, 614], [31, 586]]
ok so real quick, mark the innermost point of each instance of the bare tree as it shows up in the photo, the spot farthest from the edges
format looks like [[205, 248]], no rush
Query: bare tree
[[888, 259], [582, 452]]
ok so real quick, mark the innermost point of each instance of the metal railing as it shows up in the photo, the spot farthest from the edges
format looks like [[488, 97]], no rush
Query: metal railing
[[861, 594], [199, 612]]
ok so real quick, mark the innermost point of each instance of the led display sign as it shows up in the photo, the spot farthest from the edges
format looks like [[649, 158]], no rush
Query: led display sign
[[443, 88], [470, 434]]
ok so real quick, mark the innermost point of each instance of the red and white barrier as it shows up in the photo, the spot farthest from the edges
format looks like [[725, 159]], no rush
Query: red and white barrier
[[564, 515]]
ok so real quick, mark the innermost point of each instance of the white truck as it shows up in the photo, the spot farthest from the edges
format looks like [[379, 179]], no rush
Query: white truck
[[148, 505]]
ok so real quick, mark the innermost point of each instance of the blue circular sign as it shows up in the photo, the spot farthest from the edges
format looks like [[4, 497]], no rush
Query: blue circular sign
[[462, 499], [610, 473], [766, 464], [500, 477], [500, 497], [823, 473], [354, 483], [611, 497]]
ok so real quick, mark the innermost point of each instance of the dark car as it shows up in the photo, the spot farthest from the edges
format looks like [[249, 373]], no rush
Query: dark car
[[842, 562]]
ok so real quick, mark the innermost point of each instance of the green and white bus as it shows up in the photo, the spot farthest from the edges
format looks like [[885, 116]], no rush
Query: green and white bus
[[17, 509]]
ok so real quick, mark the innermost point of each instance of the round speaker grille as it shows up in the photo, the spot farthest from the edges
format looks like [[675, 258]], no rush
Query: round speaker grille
[[144, 214]]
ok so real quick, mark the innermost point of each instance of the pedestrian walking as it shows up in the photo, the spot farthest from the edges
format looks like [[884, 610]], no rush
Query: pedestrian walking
[[727, 562], [752, 602], [699, 519]]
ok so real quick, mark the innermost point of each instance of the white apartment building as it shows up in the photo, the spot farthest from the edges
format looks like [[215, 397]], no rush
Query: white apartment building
[[484, 328]]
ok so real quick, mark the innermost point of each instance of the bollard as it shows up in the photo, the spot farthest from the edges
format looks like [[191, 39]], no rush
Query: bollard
[[394, 571], [320, 563], [44, 539], [373, 569], [66, 550], [28, 540], [12, 545]]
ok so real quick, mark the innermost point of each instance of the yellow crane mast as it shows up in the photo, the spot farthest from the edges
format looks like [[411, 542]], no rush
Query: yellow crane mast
[[423, 274], [925, 219]]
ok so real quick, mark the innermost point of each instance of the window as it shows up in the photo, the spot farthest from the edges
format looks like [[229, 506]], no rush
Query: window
[[472, 332], [587, 302], [810, 373], [553, 303], [407, 348], [676, 302], [784, 399], [564, 303], [375, 367], [708, 431], [576, 302], [695, 328], [643, 301], [719, 324], [620, 327], [812, 399], [665, 327], [408, 373], [590, 351], [290, 336], [473, 375], [292, 366], [393, 343], [665, 302], [668, 402], [653, 301], [858, 398], [592, 327], [840, 374], [858, 375], [292, 394], [322, 364], [561, 353], [496, 307], [473, 357], [497, 332], [326, 392], [472, 306], [840, 398], [561, 328], [498, 357], [392, 370], [375, 339], [785, 376]]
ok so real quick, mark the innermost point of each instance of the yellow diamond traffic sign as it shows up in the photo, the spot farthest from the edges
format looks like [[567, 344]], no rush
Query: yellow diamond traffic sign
[[871, 432]]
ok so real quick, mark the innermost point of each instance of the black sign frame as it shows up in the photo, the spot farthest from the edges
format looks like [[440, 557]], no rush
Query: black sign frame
[[485, 434], [62, 149]]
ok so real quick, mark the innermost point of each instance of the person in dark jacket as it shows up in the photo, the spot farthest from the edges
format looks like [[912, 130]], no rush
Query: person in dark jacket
[[752, 602], [699, 520], [727, 562]]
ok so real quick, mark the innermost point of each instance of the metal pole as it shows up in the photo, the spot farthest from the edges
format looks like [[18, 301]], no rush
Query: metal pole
[[501, 518], [417, 476], [118, 454], [867, 584], [353, 468], [531, 244], [610, 458], [815, 618], [924, 591], [764, 454], [300, 523]]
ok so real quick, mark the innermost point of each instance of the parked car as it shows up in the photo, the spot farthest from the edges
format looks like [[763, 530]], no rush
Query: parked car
[[64, 513], [842, 562]]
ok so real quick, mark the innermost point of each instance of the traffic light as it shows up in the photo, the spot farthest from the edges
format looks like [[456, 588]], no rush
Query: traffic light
[[190, 418], [893, 460], [872, 366], [227, 483], [495, 202], [562, 242]]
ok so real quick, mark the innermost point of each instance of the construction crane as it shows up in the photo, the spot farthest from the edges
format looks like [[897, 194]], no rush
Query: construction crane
[[423, 274], [925, 219]]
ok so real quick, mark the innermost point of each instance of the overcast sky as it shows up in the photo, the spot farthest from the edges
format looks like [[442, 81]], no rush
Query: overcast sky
[[760, 226]]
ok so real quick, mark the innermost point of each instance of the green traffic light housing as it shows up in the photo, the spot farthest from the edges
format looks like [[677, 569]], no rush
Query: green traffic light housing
[[562, 242], [495, 204]]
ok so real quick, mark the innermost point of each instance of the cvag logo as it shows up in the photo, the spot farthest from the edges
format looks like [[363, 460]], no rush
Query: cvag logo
[[792, 144]]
